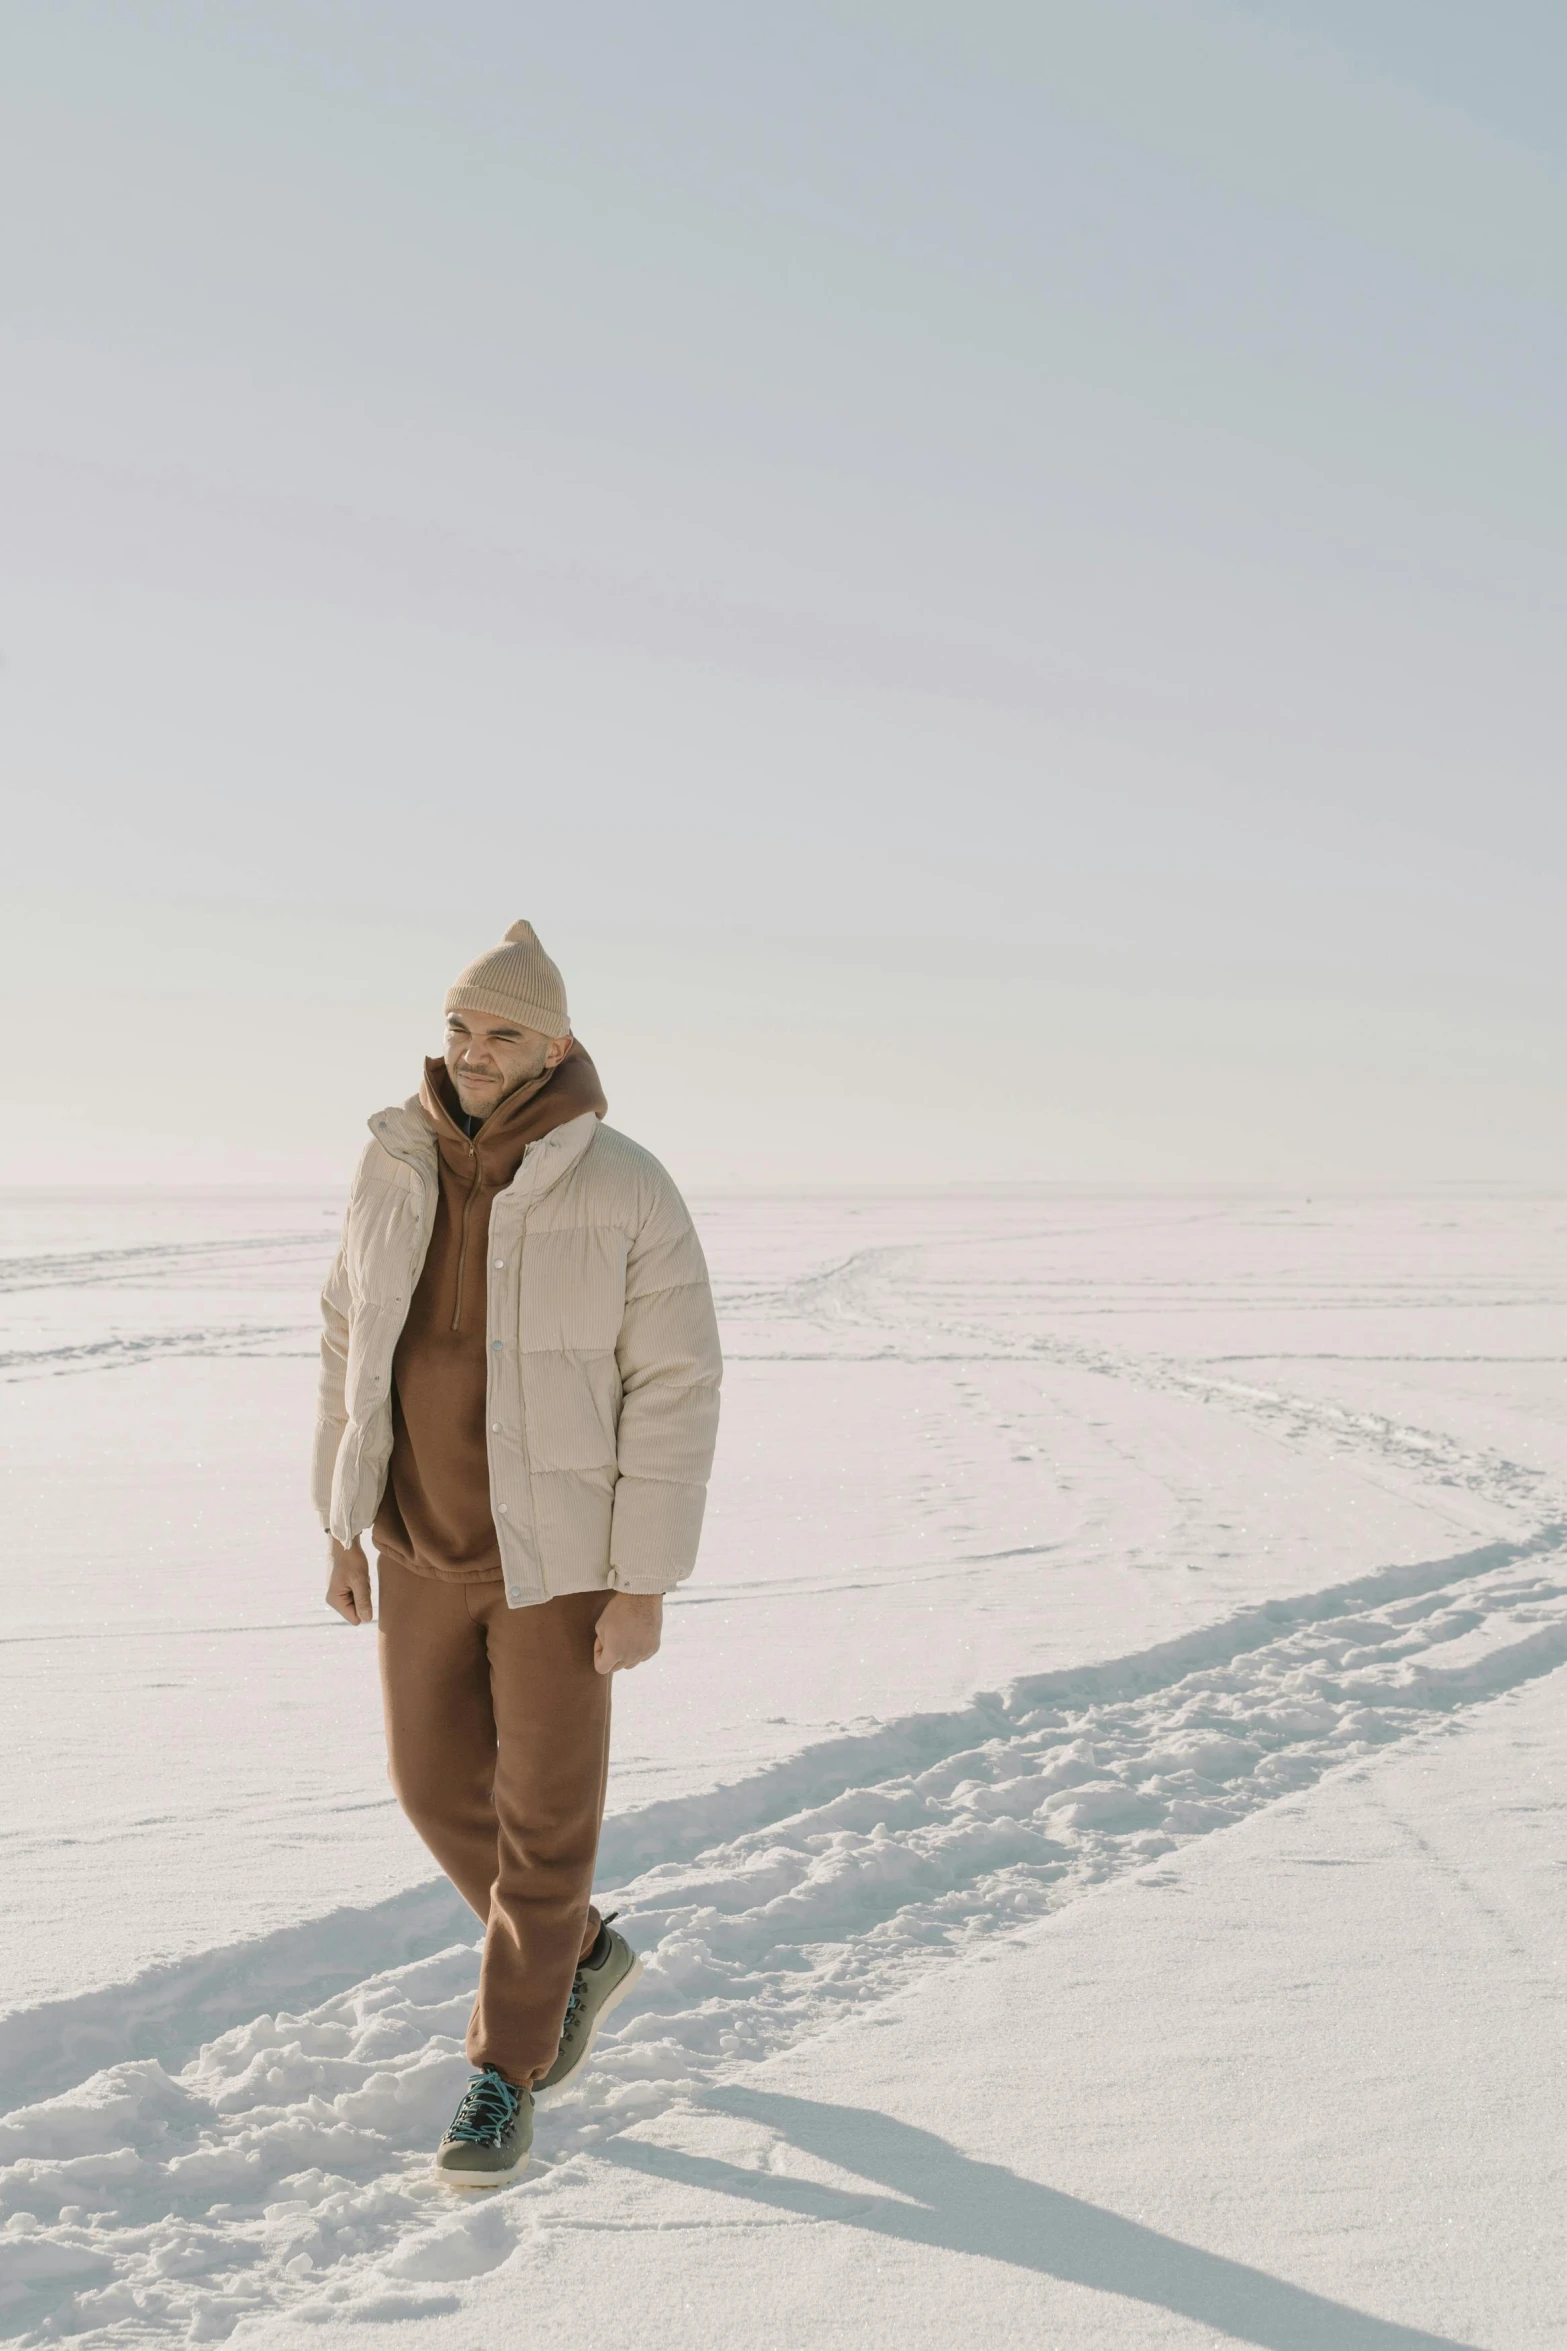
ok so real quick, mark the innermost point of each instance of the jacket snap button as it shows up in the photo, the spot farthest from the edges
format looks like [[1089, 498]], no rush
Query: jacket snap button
[[499, 1262], [503, 1510], [514, 1591], [496, 1426]]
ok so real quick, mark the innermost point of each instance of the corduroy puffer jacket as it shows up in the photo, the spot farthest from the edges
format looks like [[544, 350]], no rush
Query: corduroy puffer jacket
[[603, 1356]]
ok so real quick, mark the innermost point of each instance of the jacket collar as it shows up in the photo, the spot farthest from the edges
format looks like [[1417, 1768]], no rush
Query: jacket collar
[[405, 1132], [552, 1156]]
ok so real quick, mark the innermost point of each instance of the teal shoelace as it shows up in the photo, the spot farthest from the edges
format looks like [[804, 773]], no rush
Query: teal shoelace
[[488, 2110]]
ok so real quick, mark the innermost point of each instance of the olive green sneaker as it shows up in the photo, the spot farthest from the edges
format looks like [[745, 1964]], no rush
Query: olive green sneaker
[[601, 1982], [490, 2137]]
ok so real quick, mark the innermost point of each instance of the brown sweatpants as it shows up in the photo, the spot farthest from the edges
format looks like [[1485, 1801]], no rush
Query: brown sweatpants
[[497, 1737]]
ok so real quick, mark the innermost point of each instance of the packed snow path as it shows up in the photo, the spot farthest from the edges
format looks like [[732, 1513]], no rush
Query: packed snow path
[[287, 2164]]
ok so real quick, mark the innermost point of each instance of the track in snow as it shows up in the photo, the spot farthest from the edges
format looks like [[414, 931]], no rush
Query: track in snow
[[123, 1354], [286, 2164], [878, 1302], [153, 1263], [95, 1287], [878, 1298]]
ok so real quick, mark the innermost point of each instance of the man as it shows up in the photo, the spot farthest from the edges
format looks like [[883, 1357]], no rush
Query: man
[[519, 1398]]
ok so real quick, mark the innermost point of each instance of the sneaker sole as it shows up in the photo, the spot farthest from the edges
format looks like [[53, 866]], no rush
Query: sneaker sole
[[467, 2183], [608, 2007]]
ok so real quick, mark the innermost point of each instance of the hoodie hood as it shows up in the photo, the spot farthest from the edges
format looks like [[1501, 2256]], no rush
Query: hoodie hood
[[499, 1141]]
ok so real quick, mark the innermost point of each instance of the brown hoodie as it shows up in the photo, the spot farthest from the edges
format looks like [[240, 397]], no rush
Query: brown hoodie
[[435, 1512]]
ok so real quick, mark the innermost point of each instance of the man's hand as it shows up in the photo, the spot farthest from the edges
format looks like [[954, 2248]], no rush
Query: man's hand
[[629, 1631], [348, 1585]]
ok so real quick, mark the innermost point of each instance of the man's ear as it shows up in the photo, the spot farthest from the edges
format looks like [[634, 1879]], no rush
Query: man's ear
[[556, 1051]]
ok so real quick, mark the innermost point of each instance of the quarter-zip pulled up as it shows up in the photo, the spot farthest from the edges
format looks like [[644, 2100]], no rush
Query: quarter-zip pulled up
[[462, 1245]]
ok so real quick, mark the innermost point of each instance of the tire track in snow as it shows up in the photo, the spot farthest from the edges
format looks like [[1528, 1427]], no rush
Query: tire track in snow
[[878, 1289], [86, 1275], [286, 2166], [125, 1353], [147, 1263]]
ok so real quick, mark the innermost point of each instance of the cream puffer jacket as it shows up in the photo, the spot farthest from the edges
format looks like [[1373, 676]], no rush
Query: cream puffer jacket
[[603, 1356]]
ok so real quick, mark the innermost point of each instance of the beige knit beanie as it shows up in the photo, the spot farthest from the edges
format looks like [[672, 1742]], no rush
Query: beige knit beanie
[[514, 981]]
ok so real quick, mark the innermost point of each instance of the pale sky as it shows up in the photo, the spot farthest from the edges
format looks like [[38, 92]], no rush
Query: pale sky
[[990, 577]]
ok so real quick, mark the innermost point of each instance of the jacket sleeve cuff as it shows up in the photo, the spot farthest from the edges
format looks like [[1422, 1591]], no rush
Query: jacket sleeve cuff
[[653, 1534], [646, 1585]]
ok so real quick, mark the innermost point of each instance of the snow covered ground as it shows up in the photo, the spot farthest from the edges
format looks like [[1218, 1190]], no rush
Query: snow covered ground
[[1095, 1829]]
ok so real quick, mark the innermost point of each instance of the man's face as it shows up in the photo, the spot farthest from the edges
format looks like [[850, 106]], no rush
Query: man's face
[[489, 1058]]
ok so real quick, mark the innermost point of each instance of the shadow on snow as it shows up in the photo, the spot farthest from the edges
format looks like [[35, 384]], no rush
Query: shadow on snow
[[964, 2206]]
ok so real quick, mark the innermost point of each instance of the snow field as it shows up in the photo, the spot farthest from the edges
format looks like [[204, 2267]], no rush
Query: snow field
[[287, 2164], [968, 1478], [1275, 1492], [1297, 2086]]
